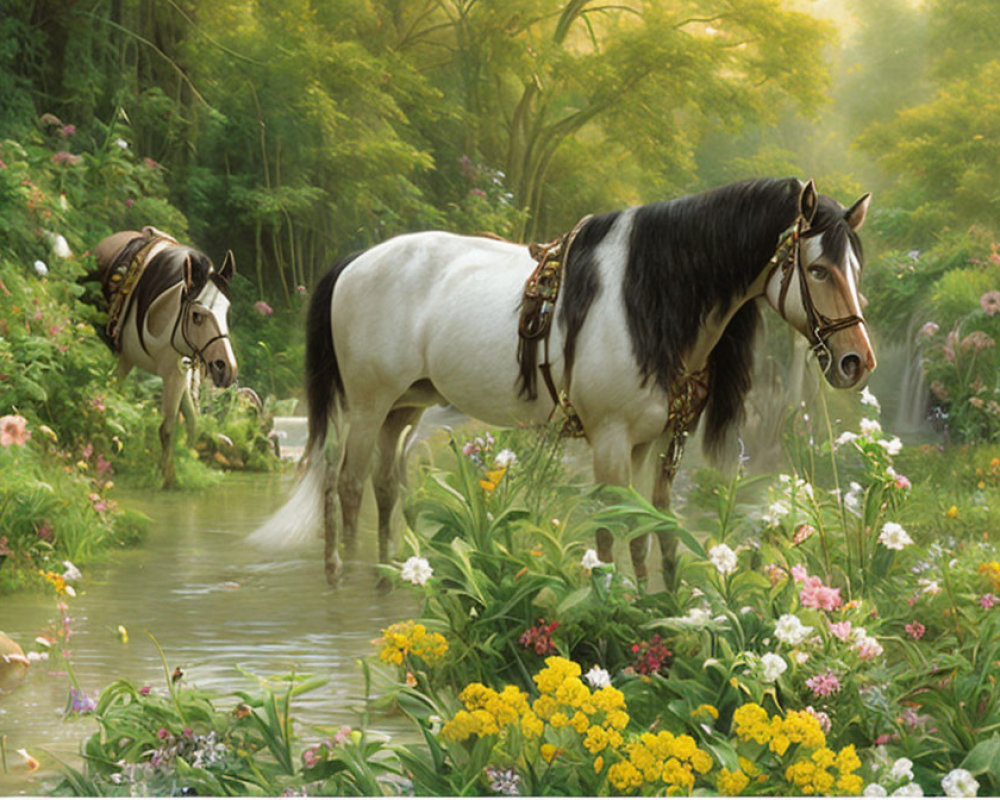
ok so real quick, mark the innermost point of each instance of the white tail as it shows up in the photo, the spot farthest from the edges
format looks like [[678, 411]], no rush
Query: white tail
[[300, 519]]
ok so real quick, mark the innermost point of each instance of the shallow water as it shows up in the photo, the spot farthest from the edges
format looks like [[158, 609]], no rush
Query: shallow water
[[213, 603]]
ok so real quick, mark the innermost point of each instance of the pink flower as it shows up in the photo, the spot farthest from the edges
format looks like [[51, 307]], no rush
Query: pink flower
[[989, 600], [310, 757], [67, 130], [915, 629], [814, 593], [883, 738], [929, 329], [990, 302], [842, 630], [129, 203], [263, 308], [341, 736], [64, 157], [824, 684], [14, 430], [803, 533], [902, 482]]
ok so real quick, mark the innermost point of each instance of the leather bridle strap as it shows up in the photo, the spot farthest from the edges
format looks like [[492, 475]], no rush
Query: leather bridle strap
[[197, 354], [788, 259]]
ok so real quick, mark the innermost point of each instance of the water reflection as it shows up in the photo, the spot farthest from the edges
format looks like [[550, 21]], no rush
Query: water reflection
[[214, 604]]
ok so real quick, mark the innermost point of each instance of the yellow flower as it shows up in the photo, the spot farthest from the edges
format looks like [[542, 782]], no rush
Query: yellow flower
[[596, 739], [579, 722], [748, 766], [706, 709], [847, 759], [731, 783], [531, 725], [548, 752], [701, 761], [952, 512], [850, 784], [823, 758], [559, 720], [623, 776], [598, 763]]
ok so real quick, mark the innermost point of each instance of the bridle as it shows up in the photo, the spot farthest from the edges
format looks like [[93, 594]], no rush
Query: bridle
[[788, 258], [197, 354]]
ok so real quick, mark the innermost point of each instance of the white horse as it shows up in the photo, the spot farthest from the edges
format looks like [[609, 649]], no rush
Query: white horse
[[167, 303], [654, 321]]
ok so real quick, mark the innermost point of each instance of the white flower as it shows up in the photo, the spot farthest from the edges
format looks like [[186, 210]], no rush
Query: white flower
[[852, 500], [790, 630], [60, 248], [597, 677], [34, 656], [868, 399], [844, 438], [72, 573], [505, 458], [909, 790], [902, 768], [891, 446], [416, 570], [723, 558], [894, 537], [869, 426], [874, 790], [800, 657], [775, 513], [121, 143], [40, 268], [590, 560], [772, 665], [697, 618], [960, 783]]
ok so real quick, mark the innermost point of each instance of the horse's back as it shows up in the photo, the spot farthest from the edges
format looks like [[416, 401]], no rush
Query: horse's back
[[434, 306], [110, 246]]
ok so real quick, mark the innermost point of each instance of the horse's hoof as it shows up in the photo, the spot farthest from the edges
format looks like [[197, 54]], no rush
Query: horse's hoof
[[333, 572]]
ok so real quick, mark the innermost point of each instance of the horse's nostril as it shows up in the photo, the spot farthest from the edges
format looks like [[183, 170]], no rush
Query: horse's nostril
[[850, 366], [220, 365]]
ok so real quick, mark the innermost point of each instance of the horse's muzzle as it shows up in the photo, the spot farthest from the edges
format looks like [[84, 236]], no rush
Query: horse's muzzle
[[222, 372]]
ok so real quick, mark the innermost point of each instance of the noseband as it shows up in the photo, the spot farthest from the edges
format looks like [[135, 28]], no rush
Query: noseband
[[788, 259], [197, 354]]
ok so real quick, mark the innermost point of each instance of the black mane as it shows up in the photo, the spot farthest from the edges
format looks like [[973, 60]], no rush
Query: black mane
[[687, 257]]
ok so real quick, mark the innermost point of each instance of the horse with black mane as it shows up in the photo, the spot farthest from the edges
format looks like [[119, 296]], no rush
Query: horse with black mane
[[166, 302], [655, 322]]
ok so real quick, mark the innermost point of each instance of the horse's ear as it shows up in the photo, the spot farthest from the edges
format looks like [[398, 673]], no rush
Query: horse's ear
[[855, 215], [188, 276], [228, 268], [808, 201]]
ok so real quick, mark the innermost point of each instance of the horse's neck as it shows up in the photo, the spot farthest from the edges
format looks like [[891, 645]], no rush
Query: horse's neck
[[716, 322]]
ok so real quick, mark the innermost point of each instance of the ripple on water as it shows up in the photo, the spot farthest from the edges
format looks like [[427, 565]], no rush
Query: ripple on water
[[215, 605]]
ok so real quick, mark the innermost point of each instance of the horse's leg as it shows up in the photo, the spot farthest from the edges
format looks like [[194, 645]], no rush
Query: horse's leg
[[612, 456], [174, 387], [190, 415], [668, 542], [331, 521], [362, 430], [639, 545], [388, 472]]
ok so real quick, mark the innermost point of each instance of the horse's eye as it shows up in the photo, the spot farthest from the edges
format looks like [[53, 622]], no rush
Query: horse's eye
[[197, 317], [818, 273]]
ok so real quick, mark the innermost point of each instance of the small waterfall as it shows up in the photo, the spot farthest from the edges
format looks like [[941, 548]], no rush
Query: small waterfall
[[911, 412]]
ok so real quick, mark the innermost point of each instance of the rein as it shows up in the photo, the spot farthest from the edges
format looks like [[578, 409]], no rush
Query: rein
[[788, 259]]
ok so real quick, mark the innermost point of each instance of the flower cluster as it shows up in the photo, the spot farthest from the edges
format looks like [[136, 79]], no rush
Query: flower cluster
[[814, 593], [539, 637], [403, 639], [810, 772], [14, 431], [651, 656]]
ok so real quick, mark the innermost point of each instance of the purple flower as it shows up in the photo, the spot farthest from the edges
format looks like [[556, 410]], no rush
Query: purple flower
[[989, 600], [79, 702]]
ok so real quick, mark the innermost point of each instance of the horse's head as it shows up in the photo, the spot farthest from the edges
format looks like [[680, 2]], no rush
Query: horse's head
[[814, 286], [203, 322]]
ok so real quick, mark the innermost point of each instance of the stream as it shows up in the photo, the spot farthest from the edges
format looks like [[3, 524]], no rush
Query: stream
[[213, 603]]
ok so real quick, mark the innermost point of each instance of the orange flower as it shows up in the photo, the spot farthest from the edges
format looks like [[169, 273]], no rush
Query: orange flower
[[493, 478]]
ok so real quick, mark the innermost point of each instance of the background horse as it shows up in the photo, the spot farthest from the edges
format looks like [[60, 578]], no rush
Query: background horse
[[166, 301], [655, 312]]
